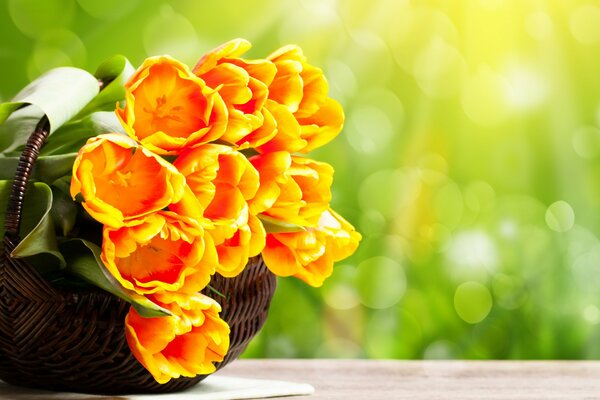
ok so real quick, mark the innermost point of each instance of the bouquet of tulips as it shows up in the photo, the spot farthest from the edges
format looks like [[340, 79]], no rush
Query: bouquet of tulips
[[196, 171]]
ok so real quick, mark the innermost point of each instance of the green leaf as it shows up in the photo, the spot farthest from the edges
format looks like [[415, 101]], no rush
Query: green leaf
[[60, 93], [50, 168], [63, 184], [15, 131], [46, 169], [116, 70], [212, 289], [70, 137], [83, 260], [64, 211], [8, 108], [273, 225], [37, 227]]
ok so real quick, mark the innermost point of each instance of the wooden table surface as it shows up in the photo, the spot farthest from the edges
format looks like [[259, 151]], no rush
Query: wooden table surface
[[447, 380]]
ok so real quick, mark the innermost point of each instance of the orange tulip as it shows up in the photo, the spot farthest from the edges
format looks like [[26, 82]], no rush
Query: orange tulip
[[223, 180], [323, 126], [186, 343], [169, 109], [309, 255], [162, 252], [288, 134], [292, 189], [302, 91], [243, 85], [235, 245], [120, 181]]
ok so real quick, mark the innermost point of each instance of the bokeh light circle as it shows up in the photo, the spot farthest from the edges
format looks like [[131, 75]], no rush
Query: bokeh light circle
[[525, 87], [369, 55], [34, 17], [586, 142], [539, 25], [414, 29], [392, 333], [484, 98], [440, 69], [370, 130], [56, 48], [471, 254], [448, 205], [387, 101], [341, 78], [389, 191], [313, 18], [171, 33], [342, 297], [479, 196], [472, 302], [372, 222], [560, 216], [585, 23], [108, 9], [339, 291], [441, 350], [586, 270], [381, 282], [591, 314], [45, 58], [433, 162]]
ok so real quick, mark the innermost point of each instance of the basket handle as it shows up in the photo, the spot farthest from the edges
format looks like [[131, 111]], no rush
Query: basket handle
[[14, 208]]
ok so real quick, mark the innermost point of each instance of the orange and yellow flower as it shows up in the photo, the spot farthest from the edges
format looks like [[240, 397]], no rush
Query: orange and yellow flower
[[168, 108], [223, 181], [162, 252], [322, 126], [243, 85], [302, 90], [235, 246], [292, 189], [288, 133], [310, 254], [120, 181], [186, 343]]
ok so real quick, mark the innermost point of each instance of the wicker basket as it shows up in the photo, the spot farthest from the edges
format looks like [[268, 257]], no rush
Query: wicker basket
[[75, 341]]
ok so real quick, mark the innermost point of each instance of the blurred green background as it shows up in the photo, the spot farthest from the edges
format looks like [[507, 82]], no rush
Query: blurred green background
[[470, 160]]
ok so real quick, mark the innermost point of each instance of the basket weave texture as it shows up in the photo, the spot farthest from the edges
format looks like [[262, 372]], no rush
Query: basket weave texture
[[75, 341]]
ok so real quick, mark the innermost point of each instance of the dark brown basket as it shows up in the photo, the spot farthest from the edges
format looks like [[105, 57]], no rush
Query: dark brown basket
[[75, 341]]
